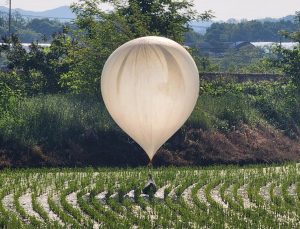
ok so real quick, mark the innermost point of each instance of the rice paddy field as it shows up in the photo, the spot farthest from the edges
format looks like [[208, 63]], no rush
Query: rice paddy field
[[210, 197]]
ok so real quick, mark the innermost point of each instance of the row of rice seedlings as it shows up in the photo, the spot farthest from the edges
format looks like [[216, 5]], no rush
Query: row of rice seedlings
[[186, 206], [66, 218], [278, 205], [272, 218], [74, 212], [60, 182], [201, 209], [180, 207], [123, 206], [109, 218], [251, 218], [231, 217], [20, 209], [290, 201], [7, 219]]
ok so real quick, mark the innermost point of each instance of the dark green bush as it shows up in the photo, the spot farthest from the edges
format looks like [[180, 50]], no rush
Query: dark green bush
[[52, 120]]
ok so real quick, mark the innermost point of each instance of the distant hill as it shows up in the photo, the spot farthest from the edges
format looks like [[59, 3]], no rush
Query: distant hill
[[286, 18], [267, 19], [63, 12], [201, 27]]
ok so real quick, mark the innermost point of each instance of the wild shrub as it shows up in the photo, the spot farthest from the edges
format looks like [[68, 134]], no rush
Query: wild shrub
[[52, 120]]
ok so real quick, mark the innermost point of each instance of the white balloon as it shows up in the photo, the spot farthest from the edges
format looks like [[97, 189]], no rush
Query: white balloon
[[150, 86]]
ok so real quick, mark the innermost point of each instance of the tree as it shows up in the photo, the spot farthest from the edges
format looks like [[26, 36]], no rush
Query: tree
[[37, 70], [248, 31], [101, 32], [45, 27], [237, 60], [289, 60]]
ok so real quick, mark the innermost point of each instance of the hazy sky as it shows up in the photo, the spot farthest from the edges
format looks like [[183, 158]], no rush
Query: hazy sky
[[224, 9]]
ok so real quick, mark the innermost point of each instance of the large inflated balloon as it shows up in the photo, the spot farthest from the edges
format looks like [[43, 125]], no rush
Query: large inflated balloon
[[150, 86]]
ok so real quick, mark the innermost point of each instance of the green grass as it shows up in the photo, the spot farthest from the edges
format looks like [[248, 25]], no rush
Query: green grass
[[223, 112], [53, 120]]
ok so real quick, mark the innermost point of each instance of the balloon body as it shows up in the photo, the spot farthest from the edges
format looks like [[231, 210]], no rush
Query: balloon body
[[150, 86]]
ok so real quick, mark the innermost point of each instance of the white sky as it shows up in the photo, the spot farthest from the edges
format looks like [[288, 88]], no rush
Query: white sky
[[249, 9], [224, 9]]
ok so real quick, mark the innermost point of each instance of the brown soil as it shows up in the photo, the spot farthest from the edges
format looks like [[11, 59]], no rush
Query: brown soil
[[245, 145]]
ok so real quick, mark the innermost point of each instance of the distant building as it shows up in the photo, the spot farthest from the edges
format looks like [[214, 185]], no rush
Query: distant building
[[241, 44], [27, 45], [219, 48], [268, 45]]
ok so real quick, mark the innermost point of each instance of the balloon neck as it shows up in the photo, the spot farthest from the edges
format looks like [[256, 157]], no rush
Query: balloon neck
[[150, 166]]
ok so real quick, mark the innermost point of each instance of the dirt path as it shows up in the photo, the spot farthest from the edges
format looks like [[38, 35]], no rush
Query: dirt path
[[202, 197], [242, 192], [216, 196], [26, 202], [43, 201]]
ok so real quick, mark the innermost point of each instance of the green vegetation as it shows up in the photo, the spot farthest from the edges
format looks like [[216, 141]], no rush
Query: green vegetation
[[52, 121], [218, 50], [100, 33], [52, 114], [289, 60], [38, 70], [51, 106], [214, 197], [31, 30], [243, 60], [253, 103], [248, 31]]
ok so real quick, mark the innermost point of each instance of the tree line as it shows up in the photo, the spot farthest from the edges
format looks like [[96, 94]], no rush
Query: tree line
[[76, 56], [74, 61], [253, 31], [29, 30]]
